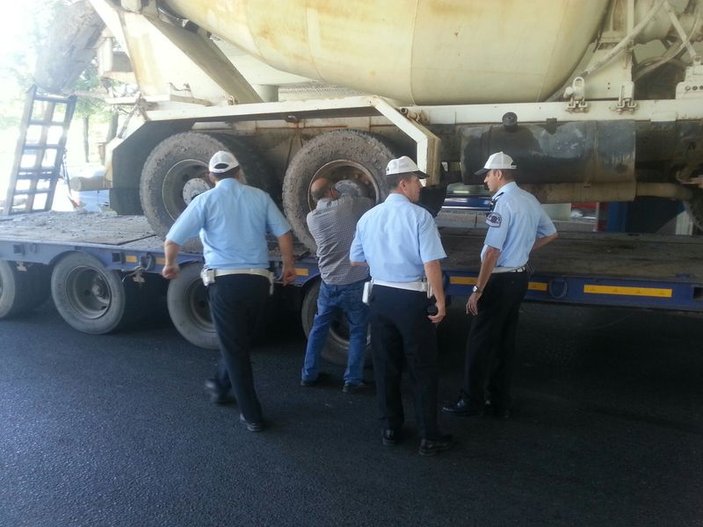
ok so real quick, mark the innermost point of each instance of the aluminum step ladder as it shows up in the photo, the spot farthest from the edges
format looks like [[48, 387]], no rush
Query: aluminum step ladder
[[40, 151]]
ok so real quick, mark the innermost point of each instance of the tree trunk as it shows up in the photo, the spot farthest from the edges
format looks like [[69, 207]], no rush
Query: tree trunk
[[86, 137]]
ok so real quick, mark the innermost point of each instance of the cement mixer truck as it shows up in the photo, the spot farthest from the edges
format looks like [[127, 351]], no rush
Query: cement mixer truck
[[597, 100]]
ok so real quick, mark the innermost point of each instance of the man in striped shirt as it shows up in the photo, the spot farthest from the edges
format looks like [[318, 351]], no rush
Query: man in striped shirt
[[332, 224]]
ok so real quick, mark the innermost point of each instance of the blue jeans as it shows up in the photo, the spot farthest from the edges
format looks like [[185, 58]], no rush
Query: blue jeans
[[348, 299]]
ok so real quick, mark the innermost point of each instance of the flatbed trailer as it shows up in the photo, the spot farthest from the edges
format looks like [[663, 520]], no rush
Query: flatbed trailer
[[103, 272], [595, 268]]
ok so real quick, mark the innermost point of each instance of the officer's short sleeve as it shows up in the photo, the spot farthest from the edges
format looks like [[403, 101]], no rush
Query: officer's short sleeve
[[356, 251], [498, 221], [545, 226], [188, 224], [430, 242], [277, 223]]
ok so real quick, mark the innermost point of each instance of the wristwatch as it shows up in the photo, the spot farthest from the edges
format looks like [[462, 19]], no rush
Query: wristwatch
[[477, 289]]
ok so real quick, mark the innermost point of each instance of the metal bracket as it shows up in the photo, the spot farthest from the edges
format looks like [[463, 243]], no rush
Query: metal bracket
[[692, 85], [185, 94], [427, 142], [576, 93], [626, 100]]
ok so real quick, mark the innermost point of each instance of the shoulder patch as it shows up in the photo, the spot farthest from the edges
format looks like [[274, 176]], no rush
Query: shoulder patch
[[493, 219]]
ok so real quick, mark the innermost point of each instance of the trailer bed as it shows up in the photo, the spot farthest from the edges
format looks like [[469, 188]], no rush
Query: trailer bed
[[104, 228], [659, 271], [643, 256]]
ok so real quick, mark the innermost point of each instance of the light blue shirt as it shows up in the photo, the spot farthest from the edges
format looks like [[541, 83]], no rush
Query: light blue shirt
[[516, 221], [232, 220], [396, 239]]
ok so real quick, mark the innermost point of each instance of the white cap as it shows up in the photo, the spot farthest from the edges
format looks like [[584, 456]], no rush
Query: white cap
[[222, 162], [497, 161], [404, 165]]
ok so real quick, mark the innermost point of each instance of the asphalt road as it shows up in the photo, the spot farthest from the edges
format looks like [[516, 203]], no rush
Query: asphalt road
[[116, 431]]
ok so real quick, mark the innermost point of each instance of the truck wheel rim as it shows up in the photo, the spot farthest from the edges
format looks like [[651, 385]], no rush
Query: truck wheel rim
[[88, 292], [199, 308], [183, 181], [354, 175]]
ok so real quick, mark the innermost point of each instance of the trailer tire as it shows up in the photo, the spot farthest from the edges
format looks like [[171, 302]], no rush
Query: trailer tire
[[189, 309], [89, 297], [351, 155], [14, 291], [177, 170], [336, 350]]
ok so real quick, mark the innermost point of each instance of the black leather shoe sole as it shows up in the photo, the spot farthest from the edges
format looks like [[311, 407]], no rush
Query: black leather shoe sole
[[354, 388], [321, 378], [251, 426], [432, 447]]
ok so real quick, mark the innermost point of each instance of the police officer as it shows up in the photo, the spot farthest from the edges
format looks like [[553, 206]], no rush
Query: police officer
[[232, 220], [517, 225], [400, 243]]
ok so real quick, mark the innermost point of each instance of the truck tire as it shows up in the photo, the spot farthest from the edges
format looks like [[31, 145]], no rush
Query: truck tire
[[351, 155], [89, 297], [189, 309], [176, 171], [17, 292], [336, 350]]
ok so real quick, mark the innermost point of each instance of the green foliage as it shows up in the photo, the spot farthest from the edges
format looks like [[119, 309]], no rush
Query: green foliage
[[90, 82]]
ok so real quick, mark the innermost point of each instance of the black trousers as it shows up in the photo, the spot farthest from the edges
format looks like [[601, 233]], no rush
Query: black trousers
[[401, 334], [490, 348], [237, 304]]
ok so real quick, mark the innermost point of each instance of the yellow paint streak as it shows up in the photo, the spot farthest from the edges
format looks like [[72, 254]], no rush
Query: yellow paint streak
[[627, 291], [462, 280], [537, 286]]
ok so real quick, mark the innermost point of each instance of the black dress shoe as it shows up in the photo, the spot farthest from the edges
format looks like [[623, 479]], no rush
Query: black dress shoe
[[252, 426], [217, 394], [432, 447], [391, 437], [355, 387], [462, 408], [321, 378]]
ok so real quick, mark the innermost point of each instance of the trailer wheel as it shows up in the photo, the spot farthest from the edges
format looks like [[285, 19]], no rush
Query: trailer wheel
[[18, 292], [358, 157], [336, 349], [189, 309], [176, 171], [89, 297]]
